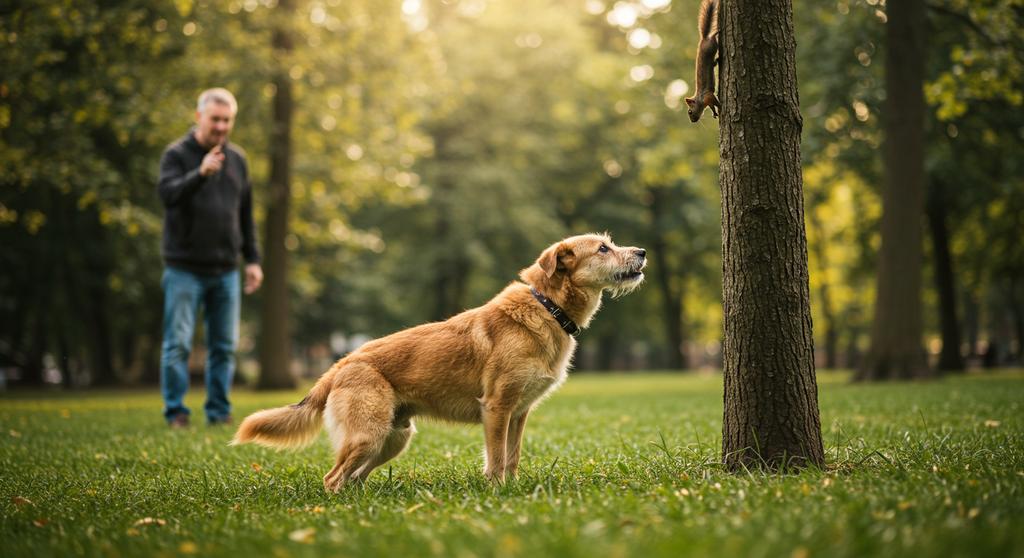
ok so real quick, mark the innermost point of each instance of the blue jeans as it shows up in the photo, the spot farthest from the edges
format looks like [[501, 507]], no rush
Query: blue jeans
[[184, 294]]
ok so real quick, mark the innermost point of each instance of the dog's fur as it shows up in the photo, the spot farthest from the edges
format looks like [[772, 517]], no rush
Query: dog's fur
[[491, 364]]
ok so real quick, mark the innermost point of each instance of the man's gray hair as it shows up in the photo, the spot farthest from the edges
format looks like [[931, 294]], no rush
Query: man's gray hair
[[217, 95]]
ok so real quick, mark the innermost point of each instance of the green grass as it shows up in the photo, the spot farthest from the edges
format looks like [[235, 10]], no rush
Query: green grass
[[614, 465]]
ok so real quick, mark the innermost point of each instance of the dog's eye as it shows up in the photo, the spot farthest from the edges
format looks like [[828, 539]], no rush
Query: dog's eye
[[603, 249]]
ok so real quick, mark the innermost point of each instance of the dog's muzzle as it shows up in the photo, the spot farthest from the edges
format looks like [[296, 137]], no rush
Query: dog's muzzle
[[635, 270]]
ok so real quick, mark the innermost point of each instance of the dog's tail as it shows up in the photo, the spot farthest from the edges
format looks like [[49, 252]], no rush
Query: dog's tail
[[293, 426]]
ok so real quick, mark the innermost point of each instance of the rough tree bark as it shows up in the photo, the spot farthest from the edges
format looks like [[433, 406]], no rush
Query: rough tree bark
[[771, 394], [275, 343], [896, 351]]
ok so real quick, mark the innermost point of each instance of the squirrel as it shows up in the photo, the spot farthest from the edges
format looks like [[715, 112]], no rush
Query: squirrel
[[704, 86]]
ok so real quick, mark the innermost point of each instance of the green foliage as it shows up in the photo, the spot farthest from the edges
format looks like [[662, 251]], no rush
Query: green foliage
[[440, 146], [613, 465]]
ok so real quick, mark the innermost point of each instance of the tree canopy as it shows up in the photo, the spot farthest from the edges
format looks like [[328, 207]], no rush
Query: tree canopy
[[438, 146]]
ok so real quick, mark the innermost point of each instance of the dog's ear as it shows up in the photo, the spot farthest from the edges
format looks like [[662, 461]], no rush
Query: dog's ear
[[553, 259]]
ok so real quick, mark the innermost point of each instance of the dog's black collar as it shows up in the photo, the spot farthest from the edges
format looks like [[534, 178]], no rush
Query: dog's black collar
[[560, 316]]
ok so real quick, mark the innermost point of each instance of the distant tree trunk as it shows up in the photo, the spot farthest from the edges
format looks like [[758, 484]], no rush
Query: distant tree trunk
[[771, 394], [669, 283], [275, 343], [972, 322], [853, 349], [449, 261], [606, 350], [827, 312], [1017, 314], [97, 308], [949, 358], [896, 351]]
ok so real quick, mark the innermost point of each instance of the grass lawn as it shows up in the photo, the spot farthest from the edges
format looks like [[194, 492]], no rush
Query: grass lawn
[[614, 465]]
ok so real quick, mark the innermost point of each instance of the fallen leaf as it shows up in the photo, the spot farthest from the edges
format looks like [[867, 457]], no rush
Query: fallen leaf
[[414, 507], [903, 506], [21, 501], [972, 513], [317, 509], [14, 433], [188, 547], [826, 481], [992, 423], [304, 536], [151, 521], [256, 467], [41, 522], [100, 456]]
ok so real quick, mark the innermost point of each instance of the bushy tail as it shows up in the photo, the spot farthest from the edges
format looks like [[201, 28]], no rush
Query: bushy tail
[[287, 427]]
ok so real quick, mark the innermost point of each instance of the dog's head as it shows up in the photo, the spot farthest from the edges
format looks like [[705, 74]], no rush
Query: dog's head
[[590, 262]]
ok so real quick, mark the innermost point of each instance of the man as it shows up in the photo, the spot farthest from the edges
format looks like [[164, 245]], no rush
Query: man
[[204, 186]]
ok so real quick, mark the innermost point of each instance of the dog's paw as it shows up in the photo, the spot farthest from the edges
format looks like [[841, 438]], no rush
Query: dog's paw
[[496, 476]]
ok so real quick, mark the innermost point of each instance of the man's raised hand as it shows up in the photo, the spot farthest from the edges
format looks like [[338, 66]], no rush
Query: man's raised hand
[[212, 162]]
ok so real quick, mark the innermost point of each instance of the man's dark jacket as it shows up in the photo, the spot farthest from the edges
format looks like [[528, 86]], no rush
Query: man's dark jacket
[[207, 220]]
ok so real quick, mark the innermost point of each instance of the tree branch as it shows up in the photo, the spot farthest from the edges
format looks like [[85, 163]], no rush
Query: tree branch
[[966, 20]]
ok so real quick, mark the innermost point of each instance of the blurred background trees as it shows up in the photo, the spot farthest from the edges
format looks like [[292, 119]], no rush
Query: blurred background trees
[[438, 145]]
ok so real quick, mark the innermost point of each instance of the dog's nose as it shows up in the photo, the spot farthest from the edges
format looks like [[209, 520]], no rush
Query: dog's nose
[[641, 252]]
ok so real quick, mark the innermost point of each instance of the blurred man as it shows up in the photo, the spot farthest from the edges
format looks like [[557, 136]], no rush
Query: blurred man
[[204, 186]]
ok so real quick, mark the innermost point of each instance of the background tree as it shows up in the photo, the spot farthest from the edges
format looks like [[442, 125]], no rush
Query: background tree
[[896, 350], [275, 340], [771, 396]]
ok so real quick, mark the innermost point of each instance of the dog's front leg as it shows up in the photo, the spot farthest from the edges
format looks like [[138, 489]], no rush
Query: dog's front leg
[[496, 423], [515, 442]]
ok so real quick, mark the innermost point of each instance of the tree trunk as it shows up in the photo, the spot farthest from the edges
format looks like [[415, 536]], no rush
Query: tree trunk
[[1017, 315], [275, 349], [972, 321], [669, 283], [896, 350], [827, 312], [771, 394], [949, 358]]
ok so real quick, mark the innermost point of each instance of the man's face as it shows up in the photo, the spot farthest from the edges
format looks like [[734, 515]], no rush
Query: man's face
[[213, 124]]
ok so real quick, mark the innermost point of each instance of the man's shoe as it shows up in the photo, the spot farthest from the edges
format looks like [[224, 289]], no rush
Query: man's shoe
[[224, 421], [179, 421]]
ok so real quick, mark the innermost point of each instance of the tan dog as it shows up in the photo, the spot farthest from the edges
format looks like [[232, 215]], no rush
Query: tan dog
[[491, 364]]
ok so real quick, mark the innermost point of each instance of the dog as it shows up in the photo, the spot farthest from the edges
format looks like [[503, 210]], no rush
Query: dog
[[492, 364]]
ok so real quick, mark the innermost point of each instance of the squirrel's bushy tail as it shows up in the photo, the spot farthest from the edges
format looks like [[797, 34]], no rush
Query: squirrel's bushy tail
[[287, 427]]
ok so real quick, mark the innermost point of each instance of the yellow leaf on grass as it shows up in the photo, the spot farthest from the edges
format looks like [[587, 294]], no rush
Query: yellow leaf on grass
[[21, 501], [257, 467], [151, 521], [413, 508], [304, 536], [188, 547], [992, 423]]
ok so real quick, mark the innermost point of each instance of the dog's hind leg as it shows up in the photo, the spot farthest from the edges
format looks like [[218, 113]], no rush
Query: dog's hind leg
[[395, 443], [362, 408]]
